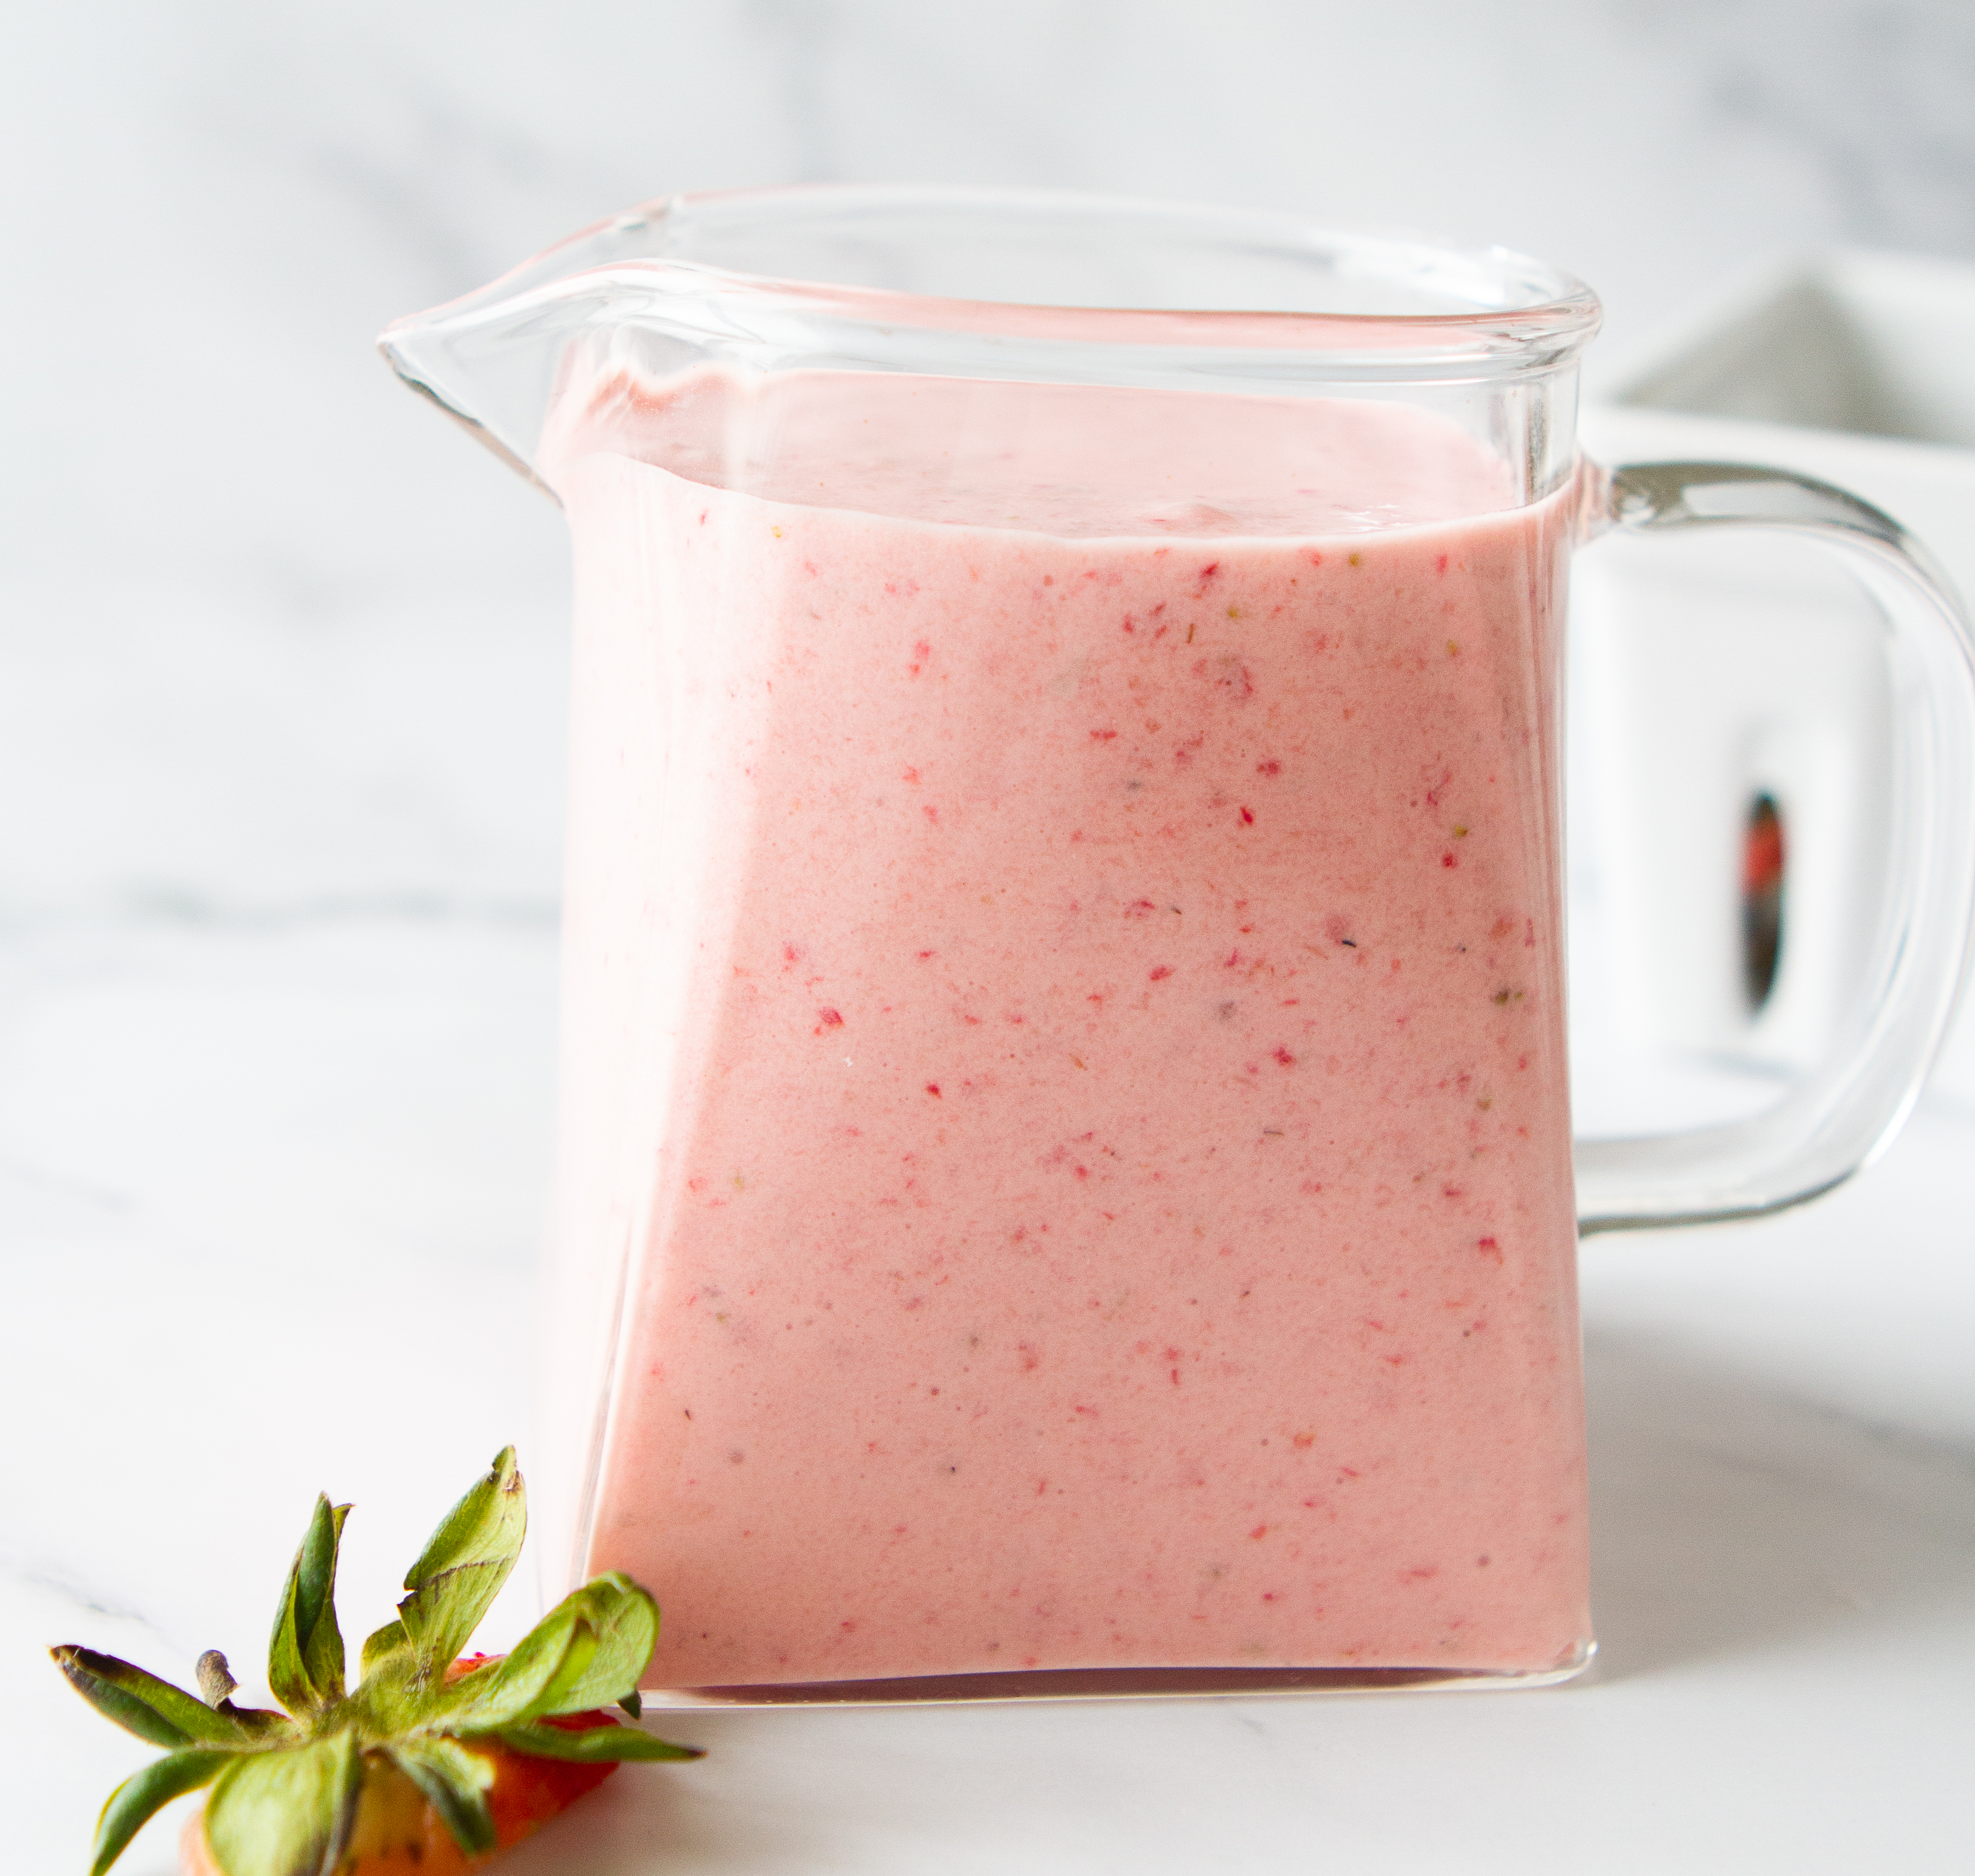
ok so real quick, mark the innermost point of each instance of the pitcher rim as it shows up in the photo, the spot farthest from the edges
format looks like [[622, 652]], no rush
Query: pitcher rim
[[1560, 314]]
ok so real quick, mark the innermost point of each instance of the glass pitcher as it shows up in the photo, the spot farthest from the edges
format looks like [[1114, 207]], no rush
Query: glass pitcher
[[1067, 1181]]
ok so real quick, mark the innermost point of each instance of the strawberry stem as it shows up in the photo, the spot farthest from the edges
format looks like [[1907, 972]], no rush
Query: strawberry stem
[[215, 1680]]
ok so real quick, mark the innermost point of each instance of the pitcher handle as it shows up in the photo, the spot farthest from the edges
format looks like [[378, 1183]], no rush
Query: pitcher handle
[[1840, 1117]]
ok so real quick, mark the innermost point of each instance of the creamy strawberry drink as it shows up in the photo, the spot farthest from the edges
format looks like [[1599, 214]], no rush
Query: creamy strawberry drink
[[1067, 1157]]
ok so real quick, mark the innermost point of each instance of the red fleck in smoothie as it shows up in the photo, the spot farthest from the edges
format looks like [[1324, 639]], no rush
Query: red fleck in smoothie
[[1064, 1015]]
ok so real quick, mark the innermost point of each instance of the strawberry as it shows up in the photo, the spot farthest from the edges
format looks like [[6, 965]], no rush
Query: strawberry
[[432, 1763]]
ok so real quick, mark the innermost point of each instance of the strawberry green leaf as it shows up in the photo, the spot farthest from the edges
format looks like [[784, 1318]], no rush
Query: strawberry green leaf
[[305, 1652], [596, 1745], [288, 1813], [140, 1798], [381, 1644], [264, 1726], [551, 1658], [464, 1565], [154, 1710], [625, 1620], [587, 1651], [454, 1782]]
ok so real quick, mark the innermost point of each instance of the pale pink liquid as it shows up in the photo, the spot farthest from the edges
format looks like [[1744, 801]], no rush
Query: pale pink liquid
[[1065, 1015]]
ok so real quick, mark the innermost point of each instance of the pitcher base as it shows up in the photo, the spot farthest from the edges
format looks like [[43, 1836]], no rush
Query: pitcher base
[[1104, 1684]]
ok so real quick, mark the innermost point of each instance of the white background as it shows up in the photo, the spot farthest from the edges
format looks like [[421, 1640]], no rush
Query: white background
[[281, 667]]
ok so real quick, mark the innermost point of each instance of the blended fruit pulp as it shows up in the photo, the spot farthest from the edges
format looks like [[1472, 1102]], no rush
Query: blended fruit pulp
[[1066, 1147]]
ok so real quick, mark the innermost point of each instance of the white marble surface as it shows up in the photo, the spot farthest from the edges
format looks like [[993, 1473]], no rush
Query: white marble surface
[[281, 684]]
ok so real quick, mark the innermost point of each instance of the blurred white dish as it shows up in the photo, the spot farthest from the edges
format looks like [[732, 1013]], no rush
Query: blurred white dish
[[1725, 671]]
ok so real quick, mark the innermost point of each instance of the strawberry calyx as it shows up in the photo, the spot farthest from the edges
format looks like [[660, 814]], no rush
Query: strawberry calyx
[[300, 1792]]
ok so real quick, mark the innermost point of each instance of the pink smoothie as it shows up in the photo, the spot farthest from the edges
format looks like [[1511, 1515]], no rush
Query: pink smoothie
[[1066, 1154]]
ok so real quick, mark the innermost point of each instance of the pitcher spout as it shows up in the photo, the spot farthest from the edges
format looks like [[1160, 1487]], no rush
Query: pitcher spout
[[492, 359]]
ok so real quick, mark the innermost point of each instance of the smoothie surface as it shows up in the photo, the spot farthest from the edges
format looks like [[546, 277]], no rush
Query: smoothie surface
[[1068, 460]]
